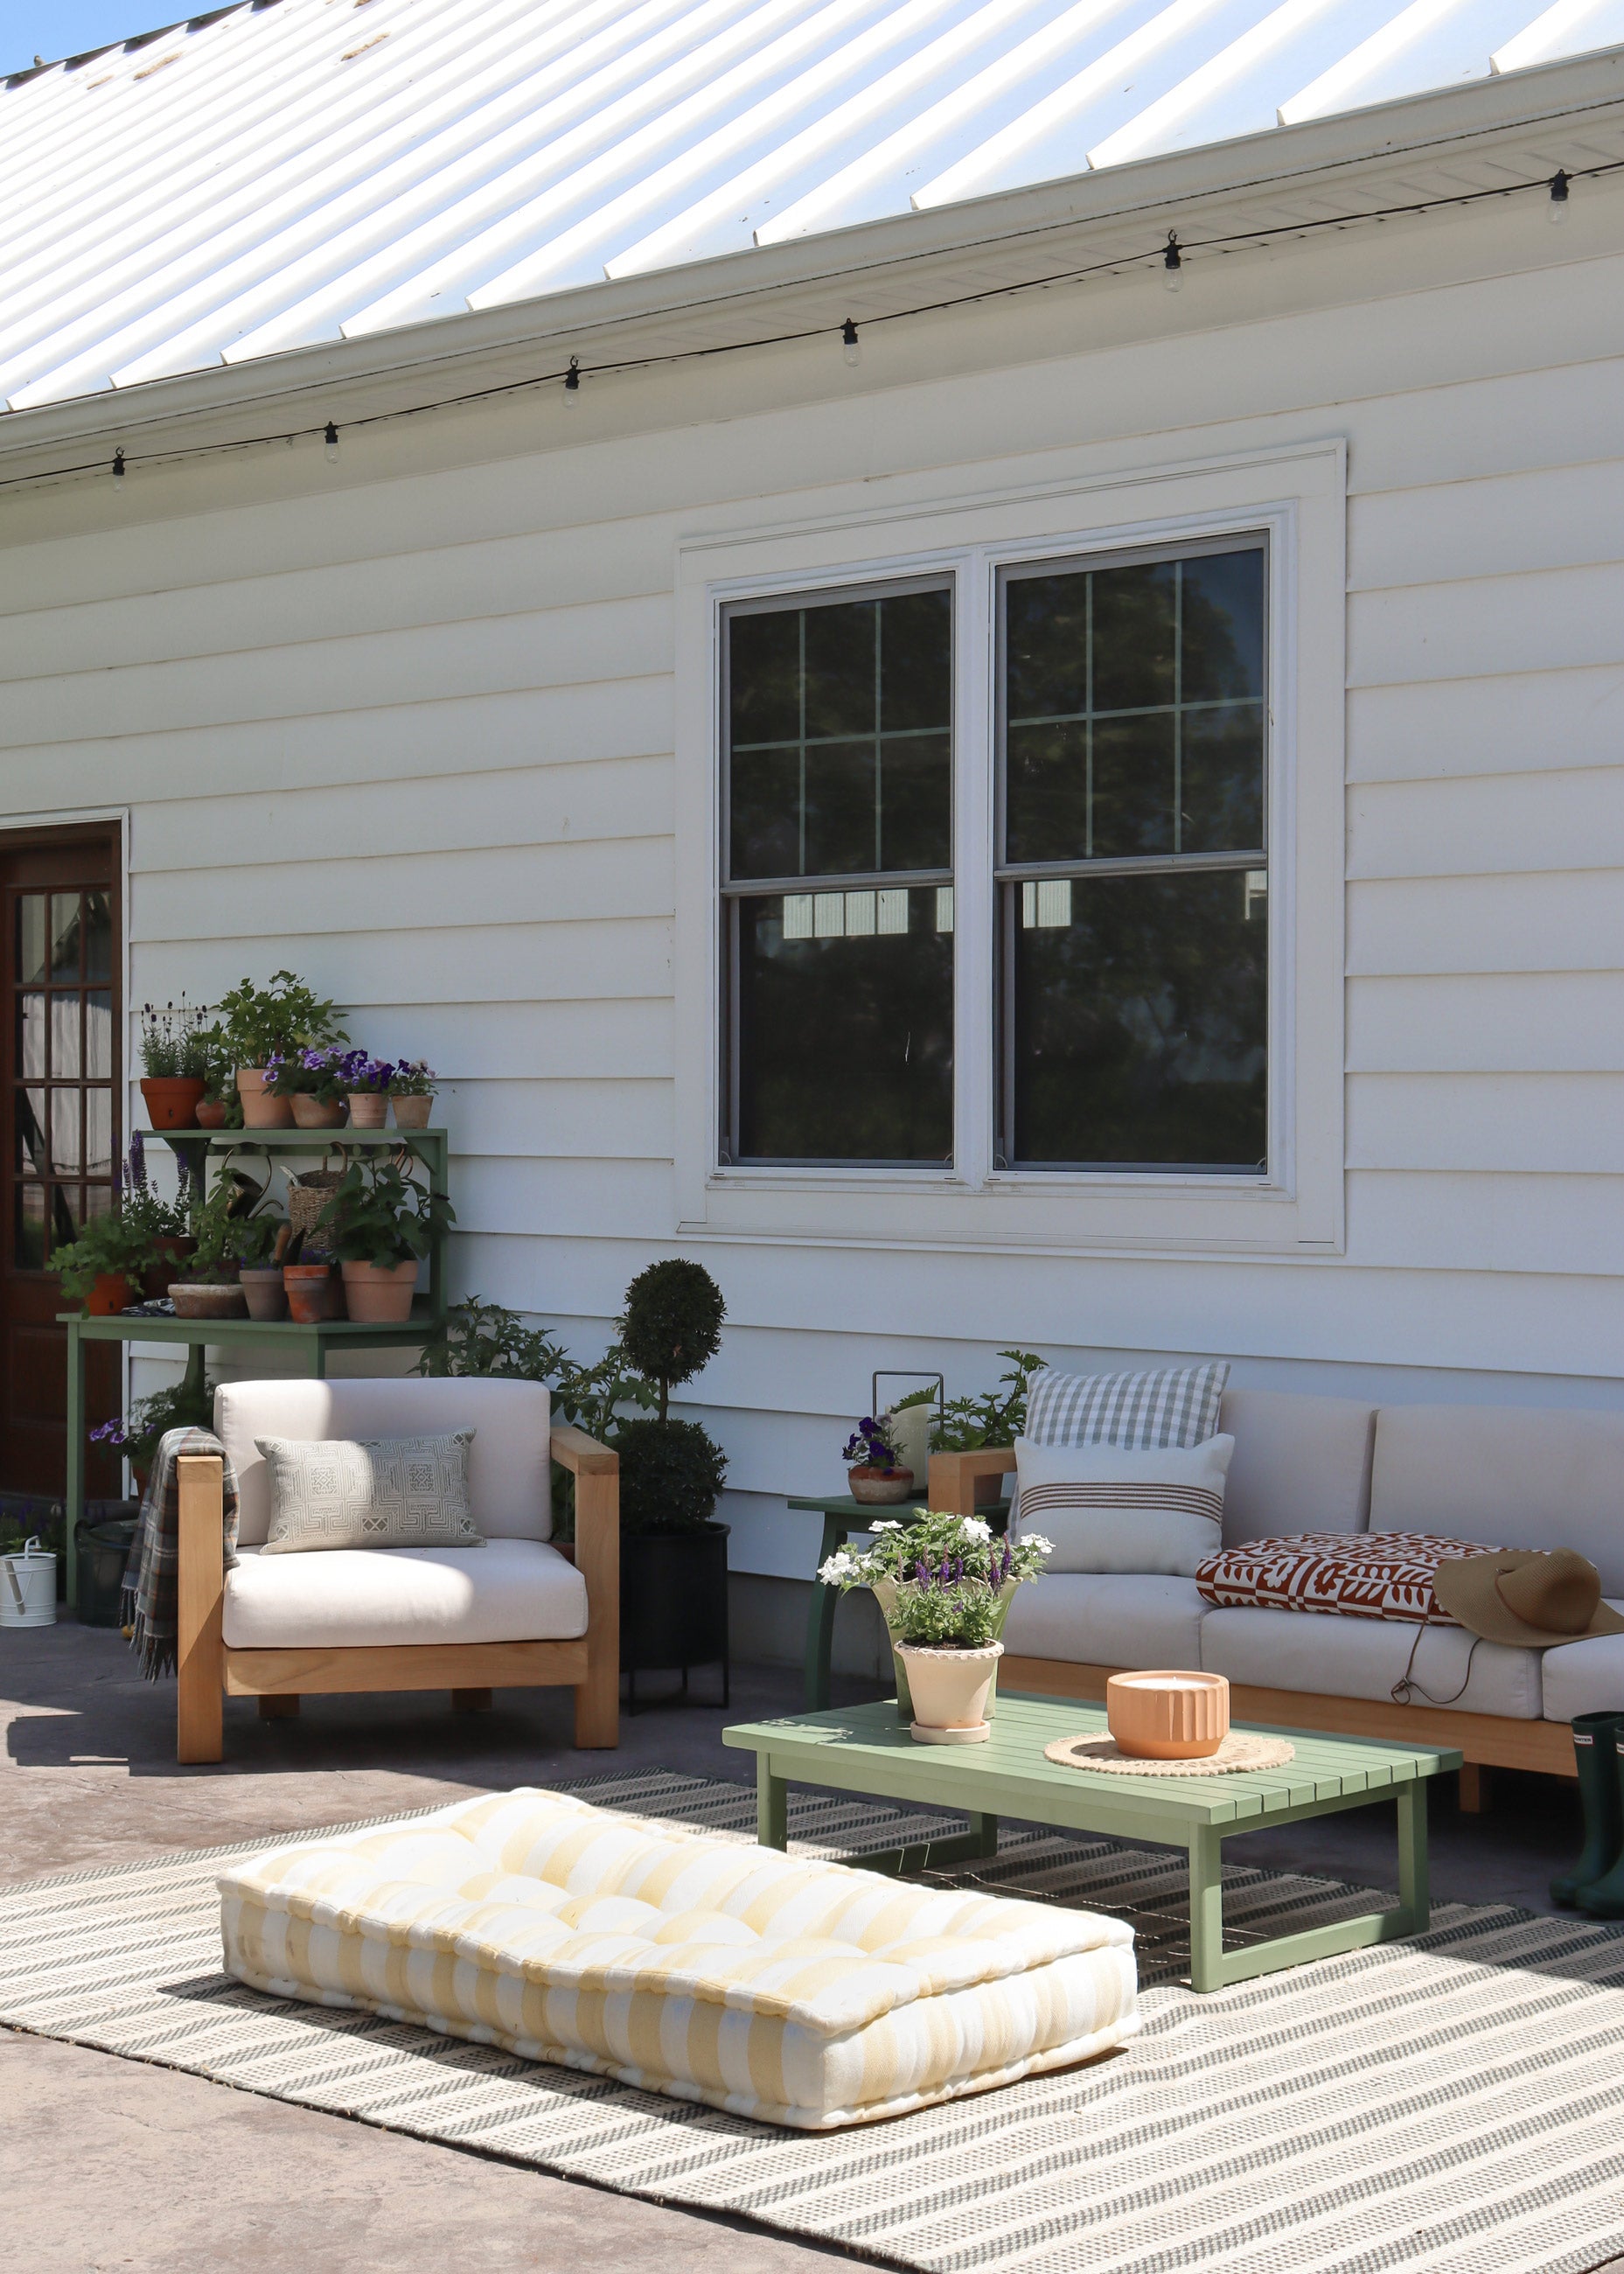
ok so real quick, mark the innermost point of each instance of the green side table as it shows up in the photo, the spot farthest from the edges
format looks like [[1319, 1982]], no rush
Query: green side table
[[843, 1518]]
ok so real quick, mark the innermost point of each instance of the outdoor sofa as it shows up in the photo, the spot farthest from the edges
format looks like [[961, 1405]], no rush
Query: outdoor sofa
[[1504, 1476], [519, 1612]]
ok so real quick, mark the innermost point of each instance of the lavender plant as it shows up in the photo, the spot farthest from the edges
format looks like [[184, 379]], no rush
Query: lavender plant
[[941, 1578]]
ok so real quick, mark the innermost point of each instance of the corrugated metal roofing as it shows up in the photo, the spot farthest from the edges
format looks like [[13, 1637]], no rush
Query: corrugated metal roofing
[[287, 172]]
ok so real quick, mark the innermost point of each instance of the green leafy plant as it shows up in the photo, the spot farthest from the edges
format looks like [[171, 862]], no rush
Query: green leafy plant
[[942, 1578], [23, 1520], [183, 1405], [175, 1041], [218, 1068], [671, 1472], [411, 1078], [108, 1244], [968, 1423], [380, 1213], [672, 1323], [227, 1227], [268, 1022]]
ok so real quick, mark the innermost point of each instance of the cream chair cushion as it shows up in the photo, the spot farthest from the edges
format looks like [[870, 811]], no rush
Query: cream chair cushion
[[360, 1598], [509, 1470], [1585, 1677], [1335, 1657]]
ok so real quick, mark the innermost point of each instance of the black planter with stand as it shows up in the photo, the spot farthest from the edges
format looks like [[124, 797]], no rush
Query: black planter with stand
[[673, 1605]]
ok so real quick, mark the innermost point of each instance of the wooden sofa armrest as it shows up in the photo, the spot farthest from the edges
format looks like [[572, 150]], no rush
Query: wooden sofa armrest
[[199, 1592], [597, 1472], [956, 1480]]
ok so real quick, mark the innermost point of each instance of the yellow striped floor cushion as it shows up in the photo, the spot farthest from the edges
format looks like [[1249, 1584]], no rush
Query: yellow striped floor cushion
[[801, 1992]]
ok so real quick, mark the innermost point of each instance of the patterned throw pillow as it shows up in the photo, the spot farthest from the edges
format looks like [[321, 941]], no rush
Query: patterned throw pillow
[[1108, 1508], [372, 1492], [1178, 1407]]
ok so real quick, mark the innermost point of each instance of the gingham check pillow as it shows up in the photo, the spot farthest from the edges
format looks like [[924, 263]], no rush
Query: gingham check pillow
[[1179, 1407]]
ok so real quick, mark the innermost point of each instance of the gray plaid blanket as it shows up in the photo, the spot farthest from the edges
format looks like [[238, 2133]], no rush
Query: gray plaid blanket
[[149, 1596]]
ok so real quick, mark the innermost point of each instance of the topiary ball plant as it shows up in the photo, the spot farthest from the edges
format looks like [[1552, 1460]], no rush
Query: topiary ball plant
[[671, 1472], [672, 1324]]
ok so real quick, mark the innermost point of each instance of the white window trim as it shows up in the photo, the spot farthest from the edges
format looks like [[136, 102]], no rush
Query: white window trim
[[1297, 495]]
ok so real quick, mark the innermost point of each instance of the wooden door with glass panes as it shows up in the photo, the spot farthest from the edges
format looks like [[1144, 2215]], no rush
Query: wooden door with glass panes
[[60, 926]]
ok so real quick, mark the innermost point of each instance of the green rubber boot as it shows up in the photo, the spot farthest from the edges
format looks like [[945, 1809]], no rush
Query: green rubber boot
[[1604, 1897], [1598, 1793]]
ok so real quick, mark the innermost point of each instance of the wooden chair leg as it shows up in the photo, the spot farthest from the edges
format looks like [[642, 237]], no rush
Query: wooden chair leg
[[279, 1709], [472, 1701], [200, 1589], [1474, 1788]]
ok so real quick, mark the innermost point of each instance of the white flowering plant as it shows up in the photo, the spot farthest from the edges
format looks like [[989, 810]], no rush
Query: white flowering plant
[[940, 1578]]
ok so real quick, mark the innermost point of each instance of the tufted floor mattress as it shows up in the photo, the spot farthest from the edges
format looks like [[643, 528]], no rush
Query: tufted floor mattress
[[797, 1991]]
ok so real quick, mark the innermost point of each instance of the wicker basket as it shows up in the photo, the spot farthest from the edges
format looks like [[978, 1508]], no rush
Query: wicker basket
[[309, 1195]]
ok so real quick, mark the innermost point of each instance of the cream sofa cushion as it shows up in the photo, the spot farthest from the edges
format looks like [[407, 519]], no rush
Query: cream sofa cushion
[[1300, 1465], [780, 1987], [1521, 1476], [1106, 1620], [509, 1468], [1337, 1657], [1585, 1677], [357, 1598]]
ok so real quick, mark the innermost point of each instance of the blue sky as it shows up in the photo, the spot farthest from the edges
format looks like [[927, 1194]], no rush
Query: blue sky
[[55, 28]]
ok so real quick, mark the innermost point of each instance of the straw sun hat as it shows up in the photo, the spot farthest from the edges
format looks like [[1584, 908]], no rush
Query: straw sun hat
[[1526, 1595]]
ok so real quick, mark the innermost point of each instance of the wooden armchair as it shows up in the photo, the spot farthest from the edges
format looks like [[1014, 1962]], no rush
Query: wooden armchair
[[279, 1628]]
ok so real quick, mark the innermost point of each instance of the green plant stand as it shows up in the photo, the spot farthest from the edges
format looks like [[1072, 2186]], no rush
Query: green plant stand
[[865, 1749], [844, 1518], [309, 1347]]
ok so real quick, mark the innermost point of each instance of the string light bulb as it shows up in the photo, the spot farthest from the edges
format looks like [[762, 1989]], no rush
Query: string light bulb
[[1556, 212], [1172, 263], [851, 344], [572, 382], [332, 443], [118, 471]]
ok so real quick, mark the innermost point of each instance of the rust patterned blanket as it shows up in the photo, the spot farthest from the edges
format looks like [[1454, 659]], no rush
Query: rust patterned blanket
[[1374, 1575]]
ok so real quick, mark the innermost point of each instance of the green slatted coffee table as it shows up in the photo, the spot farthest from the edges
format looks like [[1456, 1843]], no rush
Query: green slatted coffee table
[[867, 1749]]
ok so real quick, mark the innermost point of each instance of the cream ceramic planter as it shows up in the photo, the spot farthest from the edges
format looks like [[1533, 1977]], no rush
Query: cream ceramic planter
[[950, 1688], [1167, 1713], [881, 1487]]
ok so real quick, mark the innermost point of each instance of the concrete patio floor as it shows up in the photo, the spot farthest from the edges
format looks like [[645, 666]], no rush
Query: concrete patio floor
[[107, 2164]]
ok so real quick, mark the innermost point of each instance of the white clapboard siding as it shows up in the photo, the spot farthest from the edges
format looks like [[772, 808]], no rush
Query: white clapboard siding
[[605, 1119], [1507, 1022], [1488, 826], [1490, 1222], [554, 962], [1572, 922], [1557, 518], [1535, 1125], [1503, 722]]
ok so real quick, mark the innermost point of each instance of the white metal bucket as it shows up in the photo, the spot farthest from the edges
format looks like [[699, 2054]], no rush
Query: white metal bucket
[[28, 1588]]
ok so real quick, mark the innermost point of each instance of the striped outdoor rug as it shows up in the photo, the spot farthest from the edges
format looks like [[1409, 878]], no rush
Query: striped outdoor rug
[[1453, 2104]]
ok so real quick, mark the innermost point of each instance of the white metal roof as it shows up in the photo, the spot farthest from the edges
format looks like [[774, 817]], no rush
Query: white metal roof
[[287, 172]]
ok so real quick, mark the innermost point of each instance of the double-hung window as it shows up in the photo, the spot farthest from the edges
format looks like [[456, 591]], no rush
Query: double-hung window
[[1122, 763]]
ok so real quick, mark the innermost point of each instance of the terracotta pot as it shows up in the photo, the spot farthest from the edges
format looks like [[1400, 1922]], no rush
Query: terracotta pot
[[260, 1110], [213, 1113], [263, 1291], [314, 1293], [412, 1112], [1167, 1713], [172, 1101], [380, 1294], [881, 1487], [208, 1299], [950, 1690], [174, 1250], [313, 1113], [369, 1109], [110, 1294]]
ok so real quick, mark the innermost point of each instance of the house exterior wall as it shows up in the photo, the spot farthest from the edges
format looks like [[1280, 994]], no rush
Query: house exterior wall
[[411, 727]]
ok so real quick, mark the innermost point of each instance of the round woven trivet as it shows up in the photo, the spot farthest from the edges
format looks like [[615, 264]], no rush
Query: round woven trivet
[[1237, 1751]]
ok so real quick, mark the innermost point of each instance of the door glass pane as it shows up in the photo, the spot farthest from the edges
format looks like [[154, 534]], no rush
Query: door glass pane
[[846, 1027], [99, 1133], [30, 1152], [98, 936], [30, 1227], [31, 1036], [31, 938], [63, 1219], [64, 935], [64, 1130], [64, 1037], [1141, 1021], [97, 1200], [99, 1036], [839, 721]]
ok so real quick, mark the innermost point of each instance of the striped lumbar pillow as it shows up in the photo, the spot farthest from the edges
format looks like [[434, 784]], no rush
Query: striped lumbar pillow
[[1179, 1406], [1108, 1510]]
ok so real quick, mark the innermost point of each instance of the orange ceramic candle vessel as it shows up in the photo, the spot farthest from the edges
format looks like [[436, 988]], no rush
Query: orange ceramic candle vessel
[[1167, 1713]]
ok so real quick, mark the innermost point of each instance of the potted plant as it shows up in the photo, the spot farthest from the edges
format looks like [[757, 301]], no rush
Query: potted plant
[[314, 1082], [942, 1582], [262, 1023], [220, 1107], [366, 1083], [184, 1405], [174, 1060], [673, 1555], [260, 1242], [412, 1093], [225, 1233], [106, 1267], [380, 1225], [876, 1475]]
